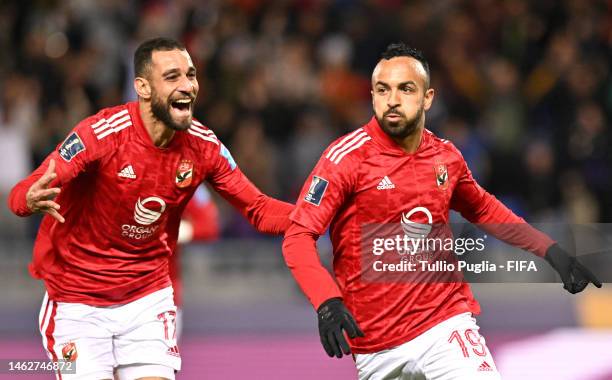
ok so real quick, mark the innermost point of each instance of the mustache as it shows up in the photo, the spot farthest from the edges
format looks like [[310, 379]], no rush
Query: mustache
[[175, 98], [393, 111]]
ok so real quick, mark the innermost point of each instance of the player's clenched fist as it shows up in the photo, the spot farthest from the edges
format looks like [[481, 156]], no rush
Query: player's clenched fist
[[40, 197], [333, 318]]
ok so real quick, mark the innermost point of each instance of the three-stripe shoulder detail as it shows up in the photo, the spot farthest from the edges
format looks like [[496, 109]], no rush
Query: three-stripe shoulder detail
[[349, 143], [113, 124], [431, 134], [197, 129]]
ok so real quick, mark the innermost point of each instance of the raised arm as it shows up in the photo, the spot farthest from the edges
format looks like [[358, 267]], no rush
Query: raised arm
[[36, 193]]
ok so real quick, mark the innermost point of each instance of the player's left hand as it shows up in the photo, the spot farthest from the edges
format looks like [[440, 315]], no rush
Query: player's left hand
[[574, 275], [333, 318]]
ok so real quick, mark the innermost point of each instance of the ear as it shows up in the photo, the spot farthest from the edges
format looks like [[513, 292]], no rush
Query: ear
[[428, 98], [142, 87]]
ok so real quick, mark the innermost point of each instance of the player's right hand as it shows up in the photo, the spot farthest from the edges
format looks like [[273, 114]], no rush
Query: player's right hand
[[40, 197], [333, 318], [574, 275]]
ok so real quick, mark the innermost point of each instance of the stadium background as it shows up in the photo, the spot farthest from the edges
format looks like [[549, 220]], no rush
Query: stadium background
[[523, 88]]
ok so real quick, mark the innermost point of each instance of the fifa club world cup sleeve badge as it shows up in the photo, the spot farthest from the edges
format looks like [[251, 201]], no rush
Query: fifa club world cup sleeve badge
[[441, 176], [184, 173], [316, 190], [72, 146]]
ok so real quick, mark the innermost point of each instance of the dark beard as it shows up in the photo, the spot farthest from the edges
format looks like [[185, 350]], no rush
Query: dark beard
[[161, 112], [402, 128]]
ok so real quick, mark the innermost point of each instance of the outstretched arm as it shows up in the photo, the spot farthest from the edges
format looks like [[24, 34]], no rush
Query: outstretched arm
[[266, 214], [483, 209], [73, 156]]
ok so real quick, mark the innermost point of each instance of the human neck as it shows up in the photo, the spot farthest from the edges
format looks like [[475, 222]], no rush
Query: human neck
[[159, 133], [410, 143]]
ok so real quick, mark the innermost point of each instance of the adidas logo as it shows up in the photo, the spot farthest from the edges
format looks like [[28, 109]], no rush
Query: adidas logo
[[385, 184], [174, 351], [485, 367], [127, 172]]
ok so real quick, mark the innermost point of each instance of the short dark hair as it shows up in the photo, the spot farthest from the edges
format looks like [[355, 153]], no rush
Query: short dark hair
[[142, 55], [400, 49]]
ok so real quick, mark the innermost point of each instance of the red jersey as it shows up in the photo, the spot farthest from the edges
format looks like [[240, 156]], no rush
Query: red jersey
[[365, 178], [122, 198]]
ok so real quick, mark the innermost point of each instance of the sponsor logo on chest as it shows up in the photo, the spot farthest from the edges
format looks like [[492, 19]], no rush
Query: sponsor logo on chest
[[147, 212], [414, 229]]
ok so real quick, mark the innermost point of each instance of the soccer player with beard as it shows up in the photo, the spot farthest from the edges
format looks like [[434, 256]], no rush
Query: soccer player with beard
[[391, 171], [113, 193]]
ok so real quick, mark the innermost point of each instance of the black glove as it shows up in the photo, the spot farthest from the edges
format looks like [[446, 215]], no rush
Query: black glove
[[574, 275], [333, 318]]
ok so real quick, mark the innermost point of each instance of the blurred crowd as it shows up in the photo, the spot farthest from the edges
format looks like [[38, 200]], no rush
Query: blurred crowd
[[523, 88]]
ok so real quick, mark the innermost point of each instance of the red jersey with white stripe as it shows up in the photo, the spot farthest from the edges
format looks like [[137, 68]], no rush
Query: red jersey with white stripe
[[365, 178], [122, 198]]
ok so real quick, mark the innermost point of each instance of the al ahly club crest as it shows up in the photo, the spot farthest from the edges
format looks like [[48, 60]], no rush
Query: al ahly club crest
[[441, 176], [184, 173], [69, 352]]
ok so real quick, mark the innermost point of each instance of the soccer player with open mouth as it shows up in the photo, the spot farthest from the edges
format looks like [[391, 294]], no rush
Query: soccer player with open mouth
[[113, 193], [394, 171]]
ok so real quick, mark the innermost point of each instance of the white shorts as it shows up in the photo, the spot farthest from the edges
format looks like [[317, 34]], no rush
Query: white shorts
[[451, 350], [134, 340]]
